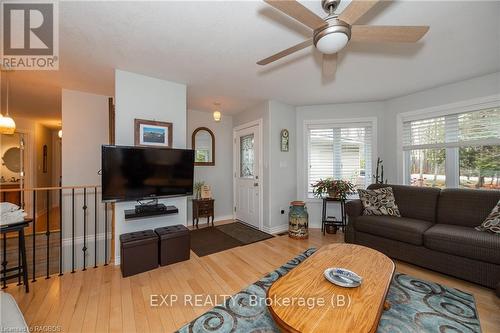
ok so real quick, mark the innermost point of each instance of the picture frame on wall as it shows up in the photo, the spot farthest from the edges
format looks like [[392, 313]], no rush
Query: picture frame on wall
[[284, 140], [152, 133]]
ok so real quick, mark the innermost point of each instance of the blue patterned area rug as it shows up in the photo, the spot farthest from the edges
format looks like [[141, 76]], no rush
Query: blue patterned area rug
[[416, 306]]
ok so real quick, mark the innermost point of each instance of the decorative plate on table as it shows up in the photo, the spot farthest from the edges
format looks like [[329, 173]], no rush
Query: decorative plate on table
[[343, 277]]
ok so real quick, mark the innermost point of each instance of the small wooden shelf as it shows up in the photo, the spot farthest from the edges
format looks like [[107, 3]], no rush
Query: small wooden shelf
[[203, 208], [133, 214]]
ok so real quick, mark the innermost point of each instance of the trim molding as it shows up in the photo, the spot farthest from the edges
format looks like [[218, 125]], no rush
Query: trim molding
[[216, 219], [276, 229], [90, 239]]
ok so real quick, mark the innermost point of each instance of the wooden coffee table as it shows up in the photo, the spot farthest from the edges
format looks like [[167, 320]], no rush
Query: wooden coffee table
[[344, 309]]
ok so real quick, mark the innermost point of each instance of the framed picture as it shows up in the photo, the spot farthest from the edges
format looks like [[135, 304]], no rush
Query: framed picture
[[152, 133], [206, 192], [44, 164], [285, 140]]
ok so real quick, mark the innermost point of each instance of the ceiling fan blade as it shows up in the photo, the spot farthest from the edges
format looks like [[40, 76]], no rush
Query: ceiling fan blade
[[391, 34], [329, 64], [356, 9], [297, 11], [286, 52]]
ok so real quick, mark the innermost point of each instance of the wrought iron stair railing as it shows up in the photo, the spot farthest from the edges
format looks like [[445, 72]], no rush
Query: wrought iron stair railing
[[76, 204]]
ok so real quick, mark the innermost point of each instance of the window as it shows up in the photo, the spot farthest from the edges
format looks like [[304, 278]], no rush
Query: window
[[202, 155], [246, 156], [341, 152], [456, 150]]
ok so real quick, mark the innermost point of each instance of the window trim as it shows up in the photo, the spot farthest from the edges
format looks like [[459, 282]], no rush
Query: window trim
[[432, 112], [338, 123]]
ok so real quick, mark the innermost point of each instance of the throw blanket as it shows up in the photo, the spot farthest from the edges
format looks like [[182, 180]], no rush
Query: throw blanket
[[11, 213]]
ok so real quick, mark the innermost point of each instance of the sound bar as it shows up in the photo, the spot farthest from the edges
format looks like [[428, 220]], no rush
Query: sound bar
[[141, 211]]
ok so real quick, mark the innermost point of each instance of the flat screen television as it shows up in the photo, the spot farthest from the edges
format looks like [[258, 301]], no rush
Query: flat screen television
[[135, 173]]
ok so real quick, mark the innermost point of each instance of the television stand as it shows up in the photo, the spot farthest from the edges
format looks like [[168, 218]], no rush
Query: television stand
[[149, 210]]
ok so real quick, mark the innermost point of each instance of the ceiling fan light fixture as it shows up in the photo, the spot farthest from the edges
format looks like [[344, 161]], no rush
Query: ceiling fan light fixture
[[332, 43], [332, 38]]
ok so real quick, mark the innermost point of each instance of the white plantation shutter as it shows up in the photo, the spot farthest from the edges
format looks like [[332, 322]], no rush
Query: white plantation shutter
[[479, 127], [473, 128], [341, 153], [424, 133], [320, 155]]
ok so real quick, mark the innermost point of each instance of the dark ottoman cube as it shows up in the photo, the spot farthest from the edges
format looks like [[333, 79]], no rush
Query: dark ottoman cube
[[139, 252], [175, 243]]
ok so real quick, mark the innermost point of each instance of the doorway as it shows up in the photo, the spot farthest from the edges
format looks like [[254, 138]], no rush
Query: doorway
[[247, 173]]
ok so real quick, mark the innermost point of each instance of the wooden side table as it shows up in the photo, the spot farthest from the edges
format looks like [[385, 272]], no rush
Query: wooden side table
[[203, 208], [22, 266]]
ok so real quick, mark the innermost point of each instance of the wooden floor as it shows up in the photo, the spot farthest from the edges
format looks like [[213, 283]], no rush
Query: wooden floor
[[100, 300]]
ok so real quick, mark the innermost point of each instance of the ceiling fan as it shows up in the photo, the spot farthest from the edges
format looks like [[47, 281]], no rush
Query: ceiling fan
[[331, 34]]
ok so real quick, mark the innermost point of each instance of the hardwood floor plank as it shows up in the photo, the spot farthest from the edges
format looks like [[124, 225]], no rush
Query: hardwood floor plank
[[115, 314], [101, 300], [90, 318], [128, 318], [104, 306]]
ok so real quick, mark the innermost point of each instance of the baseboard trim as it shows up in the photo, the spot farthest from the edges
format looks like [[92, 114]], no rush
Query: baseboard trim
[[90, 239], [275, 230], [216, 219], [224, 218]]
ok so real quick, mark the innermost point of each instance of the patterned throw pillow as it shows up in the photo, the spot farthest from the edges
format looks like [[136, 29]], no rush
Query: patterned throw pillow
[[379, 202], [492, 222]]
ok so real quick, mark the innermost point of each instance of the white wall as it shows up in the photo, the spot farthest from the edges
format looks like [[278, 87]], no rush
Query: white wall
[[139, 96], [282, 165], [85, 129], [43, 137], [218, 176], [353, 111]]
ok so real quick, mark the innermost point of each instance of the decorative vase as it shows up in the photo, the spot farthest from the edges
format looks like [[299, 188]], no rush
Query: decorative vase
[[298, 220]]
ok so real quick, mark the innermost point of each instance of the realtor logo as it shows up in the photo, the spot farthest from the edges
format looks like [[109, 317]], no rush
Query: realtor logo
[[30, 35]]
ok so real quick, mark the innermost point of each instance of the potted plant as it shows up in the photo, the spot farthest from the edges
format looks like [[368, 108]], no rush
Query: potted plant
[[334, 188], [197, 189]]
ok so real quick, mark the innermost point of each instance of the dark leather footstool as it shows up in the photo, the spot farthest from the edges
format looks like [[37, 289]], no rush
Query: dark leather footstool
[[139, 252], [175, 243]]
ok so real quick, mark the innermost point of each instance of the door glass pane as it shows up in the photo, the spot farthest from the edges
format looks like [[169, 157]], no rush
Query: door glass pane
[[480, 167], [427, 167], [246, 156]]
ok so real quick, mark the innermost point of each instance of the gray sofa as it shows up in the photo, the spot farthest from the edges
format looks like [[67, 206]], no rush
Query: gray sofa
[[436, 231]]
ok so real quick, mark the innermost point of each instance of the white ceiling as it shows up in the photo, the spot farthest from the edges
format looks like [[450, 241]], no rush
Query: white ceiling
[[213, 46]]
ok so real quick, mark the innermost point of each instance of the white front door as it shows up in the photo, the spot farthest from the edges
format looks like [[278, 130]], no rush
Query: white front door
[[246, 175]]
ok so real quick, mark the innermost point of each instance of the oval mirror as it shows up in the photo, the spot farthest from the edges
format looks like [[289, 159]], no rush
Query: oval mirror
[[12, 159], [203, 144]]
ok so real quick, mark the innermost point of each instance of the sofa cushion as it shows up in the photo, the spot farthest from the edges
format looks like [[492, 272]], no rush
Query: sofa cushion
[[11, 317], [414, 202], [379, 202], [492, 221], [468, 208], [463, 241], [397, 228]]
